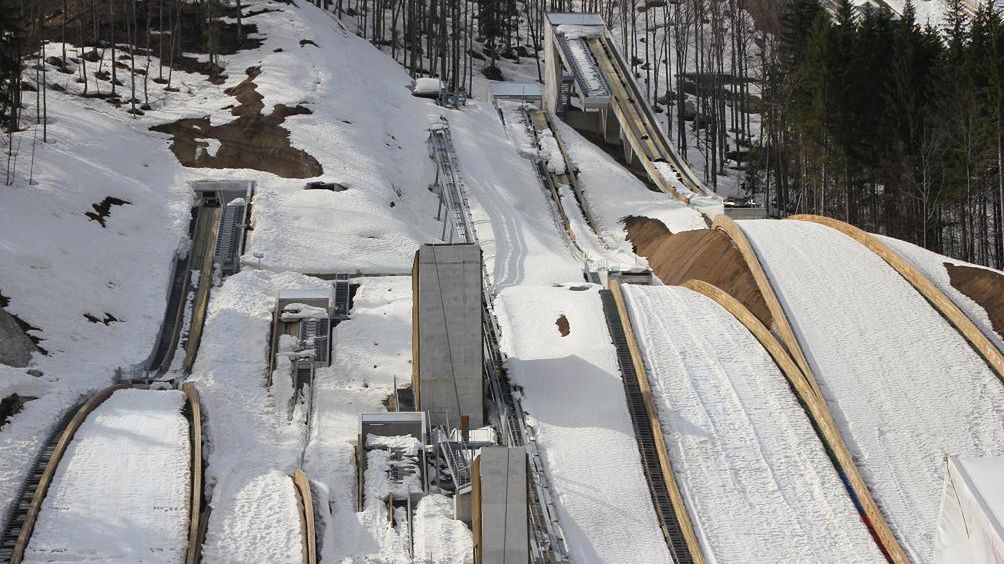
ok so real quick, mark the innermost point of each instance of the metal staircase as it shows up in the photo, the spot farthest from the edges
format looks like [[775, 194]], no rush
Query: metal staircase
[[343, 297], [644, 436]]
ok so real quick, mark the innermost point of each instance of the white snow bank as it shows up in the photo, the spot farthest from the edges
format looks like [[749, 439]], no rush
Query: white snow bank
[[614, 193], [121, 492], [932, 265], [905, 388], [265, 510], [427, 87], [550, 153], [575, 398], [756, 479], [440, 539], [368, 133]]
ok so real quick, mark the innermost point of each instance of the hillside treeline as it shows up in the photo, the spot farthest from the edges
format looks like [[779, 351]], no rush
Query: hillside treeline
[[888, 124]]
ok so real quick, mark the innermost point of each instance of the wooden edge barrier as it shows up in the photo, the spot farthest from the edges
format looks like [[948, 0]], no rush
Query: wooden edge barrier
[[818, 410], [937, 298], [201, 303], [777, 313], [302, 485], [679, 507], [194, 553], [21, 544], [606, 67]]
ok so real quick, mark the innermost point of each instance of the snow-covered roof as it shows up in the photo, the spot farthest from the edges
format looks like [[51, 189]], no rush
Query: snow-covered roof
[[561, 18], [516, 89], [304, 293]]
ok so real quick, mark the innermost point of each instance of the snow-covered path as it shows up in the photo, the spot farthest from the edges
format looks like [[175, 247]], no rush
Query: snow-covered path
[[575, 399], [905, 388], [754, 475], [521, 242], [120, 494]]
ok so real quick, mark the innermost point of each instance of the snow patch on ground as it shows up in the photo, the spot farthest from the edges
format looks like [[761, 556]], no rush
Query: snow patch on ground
[[756, 479], [575, 398], [905, 388], [375, 225], [614, 193]]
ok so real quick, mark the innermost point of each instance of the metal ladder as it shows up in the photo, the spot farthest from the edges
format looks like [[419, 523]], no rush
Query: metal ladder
[[343, 297], [456, 462], [644, 436]]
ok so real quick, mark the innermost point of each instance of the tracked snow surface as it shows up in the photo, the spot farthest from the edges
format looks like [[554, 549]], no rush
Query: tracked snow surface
[[932, 265], [121, 492], [519, 238], [755, 477], [575, 398], [905, 389]]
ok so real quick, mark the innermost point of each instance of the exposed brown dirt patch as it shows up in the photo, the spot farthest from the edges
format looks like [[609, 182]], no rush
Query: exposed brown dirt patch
[[253, 140], [985, 287], [705, 254], [563, 326]]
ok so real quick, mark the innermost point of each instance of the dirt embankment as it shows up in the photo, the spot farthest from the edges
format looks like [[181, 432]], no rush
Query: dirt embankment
[[704, 254], [985, 287], [253, 140]]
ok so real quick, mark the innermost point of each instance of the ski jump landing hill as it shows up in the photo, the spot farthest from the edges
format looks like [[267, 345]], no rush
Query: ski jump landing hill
[[891, 350]]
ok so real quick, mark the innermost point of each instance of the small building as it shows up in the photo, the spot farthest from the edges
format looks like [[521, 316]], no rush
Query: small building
[[499, 512], [401, 434], [447, 344], [303, 314]]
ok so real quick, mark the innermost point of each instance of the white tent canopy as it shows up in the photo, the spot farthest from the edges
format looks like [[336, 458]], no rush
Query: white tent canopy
[[971, 523]]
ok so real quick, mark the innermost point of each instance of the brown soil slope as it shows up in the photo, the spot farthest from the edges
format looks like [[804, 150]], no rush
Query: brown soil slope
[[704, 254], [253, 140], [985, 287]]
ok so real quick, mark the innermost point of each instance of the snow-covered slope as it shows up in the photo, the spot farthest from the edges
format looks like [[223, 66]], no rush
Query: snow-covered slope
[[754, 475], [254, 445], [932, 265], [121, 493], [575, 397], [519, 237], [905, 388], [368, 133], [60, 265]]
